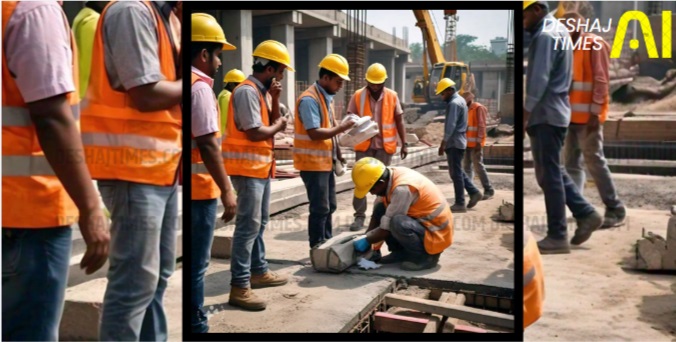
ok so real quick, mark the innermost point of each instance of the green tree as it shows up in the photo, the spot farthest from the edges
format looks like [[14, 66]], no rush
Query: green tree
[[416, 52], [468, 51]]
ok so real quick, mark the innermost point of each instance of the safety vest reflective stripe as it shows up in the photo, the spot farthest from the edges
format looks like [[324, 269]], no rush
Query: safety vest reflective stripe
[[199, 168], [193, 142], [472, 129], [390, 126], [362, 102], [529, 276], [583, 86], [390, 139], [130, 140], [26, 166], [20, 117], [580, 107], [471, 139], [303, 137], [428, 219], [317, 153], [247, 156]]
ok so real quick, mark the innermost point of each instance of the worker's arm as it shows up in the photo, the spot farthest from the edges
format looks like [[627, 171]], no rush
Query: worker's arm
[[275, 91], [540, 69], [600, 62], [130, 36], [481, 115], [247, 115], [401, 129], [310, 116], [401, 200], [452, 114]]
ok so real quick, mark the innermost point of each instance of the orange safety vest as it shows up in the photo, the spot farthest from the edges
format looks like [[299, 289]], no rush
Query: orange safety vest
[[431, 209], [473, 126], [387, 126], [533, 281], [32, 195], [120, 141], [203, 185], [308, 154], [581, 93], [241, 156]]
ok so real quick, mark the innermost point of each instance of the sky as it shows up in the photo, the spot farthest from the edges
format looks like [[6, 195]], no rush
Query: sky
[[471, 22]]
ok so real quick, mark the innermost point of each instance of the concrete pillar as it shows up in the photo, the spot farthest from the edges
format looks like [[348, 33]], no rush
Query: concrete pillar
[[285, 35], [318, 49], [237, 26], [400, 77]]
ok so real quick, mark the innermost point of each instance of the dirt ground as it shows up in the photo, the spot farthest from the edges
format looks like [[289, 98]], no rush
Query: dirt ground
[[592, 294]]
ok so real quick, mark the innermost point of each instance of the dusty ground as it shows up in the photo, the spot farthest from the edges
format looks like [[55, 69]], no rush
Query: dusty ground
[[590, 294], [482, 253]]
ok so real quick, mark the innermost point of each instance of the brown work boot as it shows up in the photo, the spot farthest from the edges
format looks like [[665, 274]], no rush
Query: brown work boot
[[246, 299], [267, 279], [585, 227]]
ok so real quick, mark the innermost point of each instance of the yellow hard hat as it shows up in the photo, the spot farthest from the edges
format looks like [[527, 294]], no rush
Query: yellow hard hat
[[205, 28], [443, 84], [337, 64], [527, 4], [234, 76], [274, 51], [366, 172], [376, 73]]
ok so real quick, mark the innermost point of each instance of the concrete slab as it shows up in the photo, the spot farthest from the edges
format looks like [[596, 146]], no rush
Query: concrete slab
[[82, 309], [591, 296], [310, 302]]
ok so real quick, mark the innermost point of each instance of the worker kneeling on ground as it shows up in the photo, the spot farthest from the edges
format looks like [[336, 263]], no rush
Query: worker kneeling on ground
[[411, 214]]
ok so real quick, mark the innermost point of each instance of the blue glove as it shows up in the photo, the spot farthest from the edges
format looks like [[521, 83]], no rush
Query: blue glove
[[361, 245]]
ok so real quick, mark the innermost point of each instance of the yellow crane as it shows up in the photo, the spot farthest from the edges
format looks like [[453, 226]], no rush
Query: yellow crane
[[459, 72]]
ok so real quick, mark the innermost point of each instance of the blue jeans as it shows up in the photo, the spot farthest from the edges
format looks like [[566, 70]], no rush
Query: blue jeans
[[203, 220], [253, 214], [460, 180], [558, 187], [142, 258], [321, 192], [406, 234], [34, 276]]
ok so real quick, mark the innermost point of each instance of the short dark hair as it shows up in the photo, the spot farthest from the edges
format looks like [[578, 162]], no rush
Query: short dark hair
[[258, 67], [197, 48], [327, 72]]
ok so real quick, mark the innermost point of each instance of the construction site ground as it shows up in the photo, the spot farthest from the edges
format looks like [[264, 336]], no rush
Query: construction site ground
[[481, 254], [593, 293]]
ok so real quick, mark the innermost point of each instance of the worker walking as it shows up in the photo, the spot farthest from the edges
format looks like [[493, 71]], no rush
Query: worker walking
[[209, 179], [477, 115], [131, 129], [84, 28], [315, 146], [589, 99], [231, 80], [411, 214], [454, 144], [383, 106], [533, 280], [546, 116], [46, 186], [249, 159]]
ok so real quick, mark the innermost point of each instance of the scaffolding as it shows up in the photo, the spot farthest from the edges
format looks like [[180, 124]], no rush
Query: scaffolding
[[356, 51]]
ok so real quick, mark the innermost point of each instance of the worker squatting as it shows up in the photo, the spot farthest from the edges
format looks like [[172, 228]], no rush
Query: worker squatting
[[582, 25]]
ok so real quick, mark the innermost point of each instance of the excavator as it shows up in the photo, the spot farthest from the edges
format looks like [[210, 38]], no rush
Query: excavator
[[424, 87]]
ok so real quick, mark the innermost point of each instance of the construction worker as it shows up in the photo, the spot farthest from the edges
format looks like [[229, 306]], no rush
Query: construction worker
[[533, 280], [84, 28], [589, 98], [249, 158], [411, 214], [46, 186], [231, 80], [209, 177], [315, 147], [454, 144], [546, 117], [385, 109], [477, 115], [131, 129]]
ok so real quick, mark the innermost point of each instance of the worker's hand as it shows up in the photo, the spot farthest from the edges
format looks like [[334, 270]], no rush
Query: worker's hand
[[404, 151], [593, 124], [281, 123], [229, 204], [275, 89], [442, 148], [94, 228], [361, 245], [347, 125]]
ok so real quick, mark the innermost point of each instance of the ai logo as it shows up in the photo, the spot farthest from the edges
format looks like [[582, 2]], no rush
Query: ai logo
[[648, 37]]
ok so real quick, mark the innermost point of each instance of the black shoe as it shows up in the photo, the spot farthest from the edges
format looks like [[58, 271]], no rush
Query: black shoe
[[488, 194], [614, 217], [474, 199], [458, 208], [358, 224], [199, 322], [376, 256], [424, 264], [585, 227], [393, 257], [549, 245]]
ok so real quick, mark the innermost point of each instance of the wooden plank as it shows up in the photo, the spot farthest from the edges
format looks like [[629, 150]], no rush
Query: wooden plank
[[451, 323], [469, 329], [452, 310], [432, 325], [387, 322]]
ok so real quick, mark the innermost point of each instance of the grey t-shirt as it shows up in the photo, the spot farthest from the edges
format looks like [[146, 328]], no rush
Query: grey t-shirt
[[130, 45], [247, 105]]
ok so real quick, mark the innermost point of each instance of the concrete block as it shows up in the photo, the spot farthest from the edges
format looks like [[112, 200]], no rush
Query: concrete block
[[669, 258], [222, 246], [82, 311], [411, 138], [650, 255]]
